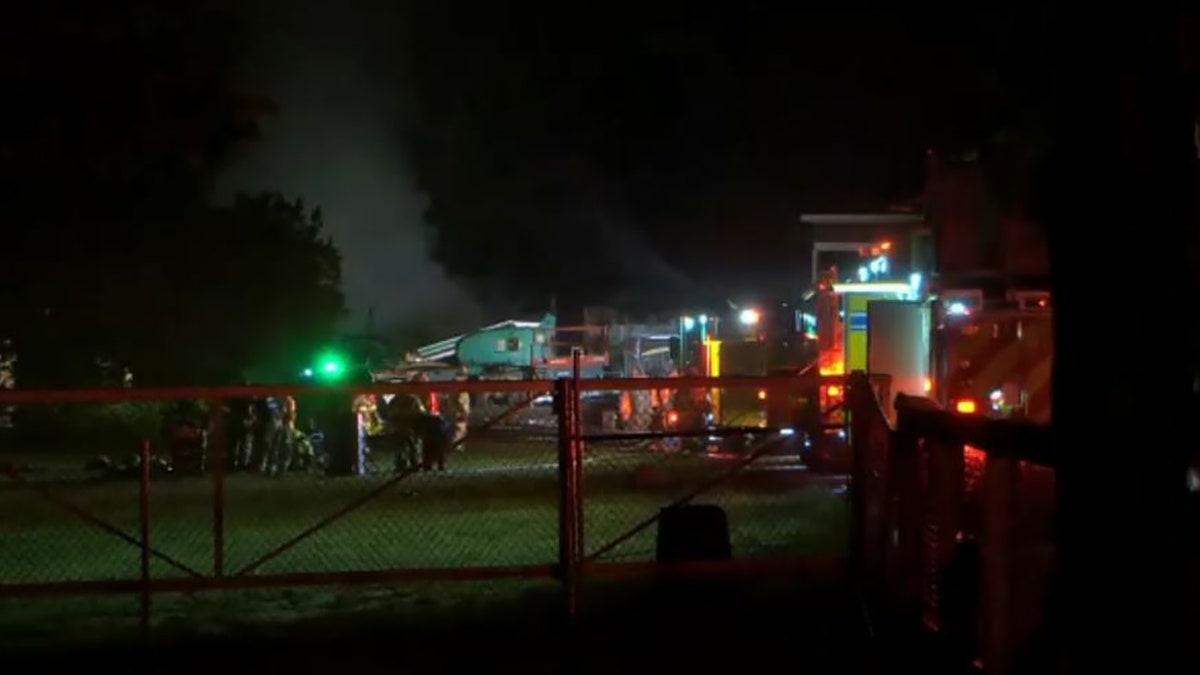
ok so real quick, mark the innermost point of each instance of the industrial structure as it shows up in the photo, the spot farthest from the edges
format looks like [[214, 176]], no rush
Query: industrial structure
[[947, 296]]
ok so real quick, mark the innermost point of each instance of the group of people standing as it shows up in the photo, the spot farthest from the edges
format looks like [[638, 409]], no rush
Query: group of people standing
[[267, 435], [415, 428], [267, 439], [673, 408]]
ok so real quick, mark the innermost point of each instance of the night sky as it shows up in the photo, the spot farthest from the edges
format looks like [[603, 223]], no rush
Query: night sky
[[477, 159]]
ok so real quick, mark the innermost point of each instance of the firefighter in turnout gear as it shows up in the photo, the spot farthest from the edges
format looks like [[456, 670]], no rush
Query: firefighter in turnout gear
[[241, 434], [461, 410], [8, 379], [289, 446], [364, 405]]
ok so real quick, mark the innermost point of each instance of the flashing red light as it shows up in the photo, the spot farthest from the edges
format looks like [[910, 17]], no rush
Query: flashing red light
[[762, 394], [672, 417], [965, 406], [886, 246], [833, 391]]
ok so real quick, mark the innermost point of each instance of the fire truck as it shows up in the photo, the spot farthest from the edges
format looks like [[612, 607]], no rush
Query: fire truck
[[975, 350], [974, 332], [993, 355]]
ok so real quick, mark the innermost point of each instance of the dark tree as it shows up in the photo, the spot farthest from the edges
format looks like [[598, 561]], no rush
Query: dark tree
[[121, 113]]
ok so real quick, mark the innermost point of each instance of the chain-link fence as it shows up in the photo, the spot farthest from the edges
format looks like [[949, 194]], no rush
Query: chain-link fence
[[953, 528], [182, 490], [419, 493], [748, 449], [70, 492]]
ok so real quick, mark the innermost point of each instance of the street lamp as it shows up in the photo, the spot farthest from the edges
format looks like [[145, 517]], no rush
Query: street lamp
[[749, 317]]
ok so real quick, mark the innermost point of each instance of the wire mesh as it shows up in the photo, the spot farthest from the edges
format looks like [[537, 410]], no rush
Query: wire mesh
[[1033, 551], [69, 492], [424, 490], [724, 453]]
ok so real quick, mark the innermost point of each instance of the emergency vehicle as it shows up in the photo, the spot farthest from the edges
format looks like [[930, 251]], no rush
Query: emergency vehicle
[[980, 350], [972, 330], [993, 355]]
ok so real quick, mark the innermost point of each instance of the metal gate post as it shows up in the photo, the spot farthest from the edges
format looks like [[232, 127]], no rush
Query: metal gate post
[[568, 548], [219, 454], [999, 488], [859, 438], [577, 448], [904, 521], [144, 513]]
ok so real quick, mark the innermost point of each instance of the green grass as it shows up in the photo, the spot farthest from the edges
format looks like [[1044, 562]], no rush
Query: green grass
[[496, 506]]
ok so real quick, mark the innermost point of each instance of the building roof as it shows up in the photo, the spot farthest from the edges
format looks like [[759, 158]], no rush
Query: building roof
[[858, 219]]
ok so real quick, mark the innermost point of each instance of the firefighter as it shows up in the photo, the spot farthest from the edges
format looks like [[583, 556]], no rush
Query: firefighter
[[693, 406], [643, 408], [8, 380], [284, 441], [303, 454], [666, 395], [266, 420], [461, 410], [434, 406], [664, 401], [405, 415], [402, 413], [187, 438], [366, 407], [241, 433], [625, 409], [436, 437]]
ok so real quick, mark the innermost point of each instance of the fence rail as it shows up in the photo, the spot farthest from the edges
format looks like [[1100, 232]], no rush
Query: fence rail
[[943, 511], [950, 510], [519, 507]]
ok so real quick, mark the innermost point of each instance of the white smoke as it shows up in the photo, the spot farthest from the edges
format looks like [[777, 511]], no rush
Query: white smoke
[[336, 71]]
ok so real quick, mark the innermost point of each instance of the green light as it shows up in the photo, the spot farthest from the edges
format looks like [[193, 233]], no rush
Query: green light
[[328, 365]]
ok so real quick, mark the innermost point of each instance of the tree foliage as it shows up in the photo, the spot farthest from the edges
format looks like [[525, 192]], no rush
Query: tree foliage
[[124, 113]]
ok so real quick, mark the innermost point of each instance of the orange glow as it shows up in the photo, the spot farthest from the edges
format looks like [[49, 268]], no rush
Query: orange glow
[[927, 385], [835, 368], [964, 406], [886, 246], [762, 394], [672, 418], [833, 390], [975, 460]]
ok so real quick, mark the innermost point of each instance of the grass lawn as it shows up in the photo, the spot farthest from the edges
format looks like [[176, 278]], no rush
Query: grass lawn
[[496, 506]]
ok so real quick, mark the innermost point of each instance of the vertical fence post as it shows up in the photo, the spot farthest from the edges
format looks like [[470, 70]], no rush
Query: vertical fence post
[[903, 509], [859, 438], [577, 449], [999, 487], [568, 558], [144, 513], [219, 454], [942, 535]]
